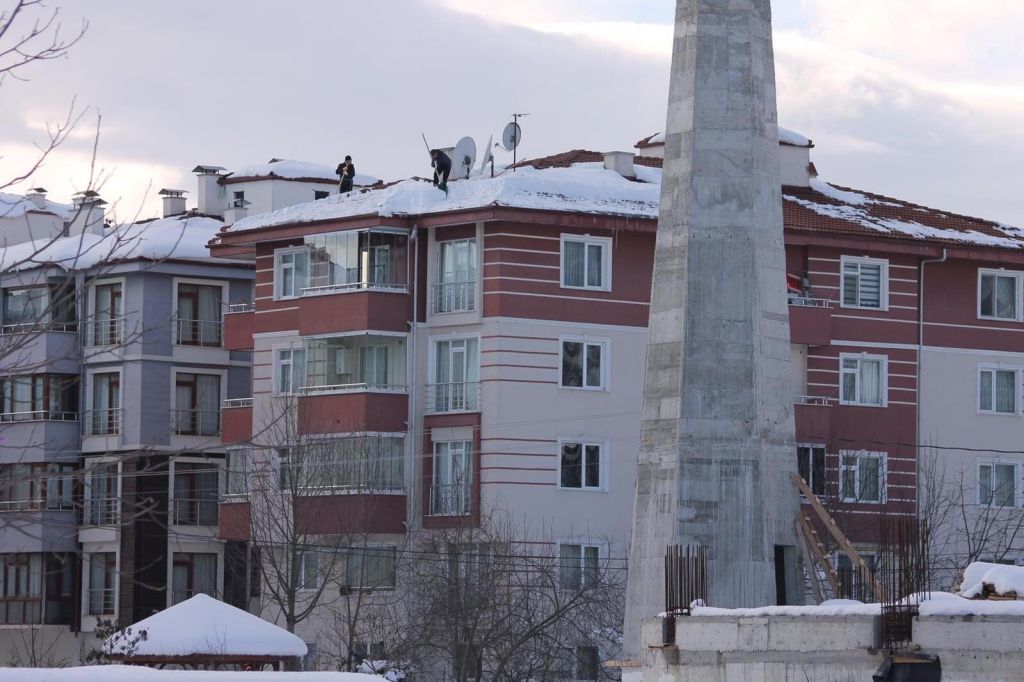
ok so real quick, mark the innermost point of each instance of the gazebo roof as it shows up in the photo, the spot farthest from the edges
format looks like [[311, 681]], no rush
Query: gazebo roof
[[206, 627]]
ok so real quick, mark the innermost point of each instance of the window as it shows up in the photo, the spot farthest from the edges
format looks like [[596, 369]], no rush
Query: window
[[39, 396], [456, 385], [21, 588], [999, 294], [108, 315], [238, 199], [854, 582], [361, 462], [865, 282], [581, 663], [578, 566], [862, 477], [319, 194], [451, 492], [105, 417], [469, 564], [355, 363], [370, 567], [997, 484], [239, 471], [308, 571], [455, 290], [102, 583], [811, 465], [196, 404], [103, 496], [193, 573], [583, 364], [198, 319], [291, 371], [25, 487], [341, 261], [863, 380], [368, 651], [39, 307], [997, 390], [195, 496], [580, 466], [586, 262]]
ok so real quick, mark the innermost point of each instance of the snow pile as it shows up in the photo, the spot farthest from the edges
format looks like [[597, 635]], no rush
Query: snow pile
[[204, 625], [829, 607], [787, 136], [982, 579], [929, 604], [176, 237], [582, 188], [290, 169], [16, 206], [131, 673]]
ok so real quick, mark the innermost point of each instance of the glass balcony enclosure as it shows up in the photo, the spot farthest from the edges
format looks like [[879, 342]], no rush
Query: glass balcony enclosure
[[353, 363], [343, 261]]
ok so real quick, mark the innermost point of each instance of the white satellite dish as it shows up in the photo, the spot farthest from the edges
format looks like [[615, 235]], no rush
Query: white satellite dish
[[463, 157], [487, 156], [511, 136]]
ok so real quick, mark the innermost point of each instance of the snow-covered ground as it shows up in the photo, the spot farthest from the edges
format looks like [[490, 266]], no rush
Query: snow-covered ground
[[127, 673]]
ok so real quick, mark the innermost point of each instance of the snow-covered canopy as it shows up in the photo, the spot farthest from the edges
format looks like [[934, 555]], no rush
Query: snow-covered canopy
[[293, 170], [15, 206], [178, 237], [203, 625], [132, 673]]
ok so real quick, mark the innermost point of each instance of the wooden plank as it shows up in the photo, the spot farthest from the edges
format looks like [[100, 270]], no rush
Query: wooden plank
[[811, 541]]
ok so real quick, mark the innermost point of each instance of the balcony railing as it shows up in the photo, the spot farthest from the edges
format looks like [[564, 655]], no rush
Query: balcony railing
[[237, 402], [462, 396], [101, 601], [450, 500], [345, 388], [194, 512], [29, 327], [20, 610], [105, 422], [39, 415], [243, 307], [372, 285], [820, 400], [195, 422], [205, 333], [454, 297], [21, 505], [105, 332], [810, 301], [103, 511]]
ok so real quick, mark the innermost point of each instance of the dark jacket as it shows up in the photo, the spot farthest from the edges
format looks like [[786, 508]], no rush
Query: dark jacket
[[351, 171], [441, 162]]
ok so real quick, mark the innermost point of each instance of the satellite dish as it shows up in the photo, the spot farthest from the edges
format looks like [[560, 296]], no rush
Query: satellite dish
[[487, 155], [463, 157], [510, 136]]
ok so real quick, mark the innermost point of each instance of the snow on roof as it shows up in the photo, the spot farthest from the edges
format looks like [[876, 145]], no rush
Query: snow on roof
[[296, 170], [177, 237], [204, 625], [132, 673], [793, 139], [16, 206]]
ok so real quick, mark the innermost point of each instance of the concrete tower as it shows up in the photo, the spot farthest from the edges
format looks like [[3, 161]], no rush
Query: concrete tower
[[717, 445]]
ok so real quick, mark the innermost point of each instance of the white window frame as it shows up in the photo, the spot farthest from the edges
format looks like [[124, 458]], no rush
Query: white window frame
[[606, 355], [583, 544], [1018, 372], [883, 283], [883, 475], [275, 387], [1016, 483], [1018, 296], [602, 472], [606, 261], [302, 582], [884, 379], [296, 289]]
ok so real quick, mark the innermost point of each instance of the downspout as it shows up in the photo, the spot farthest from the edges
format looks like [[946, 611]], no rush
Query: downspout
[[920, 358], [413, 349], [81, 310]]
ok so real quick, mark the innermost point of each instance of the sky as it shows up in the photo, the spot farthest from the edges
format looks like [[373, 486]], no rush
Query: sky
[[918, 99]]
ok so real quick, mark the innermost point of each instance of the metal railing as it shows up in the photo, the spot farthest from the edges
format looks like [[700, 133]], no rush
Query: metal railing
[[39, 415], [810, 301], [103, 511], [243, 307], [206, 333], [820, 400], [237, 402], [453, 499], [461, 396], [453, 297], [22, 505], [103, 422], [195, 422], [28, 327], [101, 601], [20, 610], [194, 511], [354, 286], [106, 332], [344, 388]]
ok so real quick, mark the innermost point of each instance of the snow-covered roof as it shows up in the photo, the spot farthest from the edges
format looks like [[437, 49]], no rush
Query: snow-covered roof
[[295, 170], [16, 206], [132, 673], [575, 182], [178, 237], [203, 625]]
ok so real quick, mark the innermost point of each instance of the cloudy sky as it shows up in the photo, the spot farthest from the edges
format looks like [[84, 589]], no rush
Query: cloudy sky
[[919, 99]]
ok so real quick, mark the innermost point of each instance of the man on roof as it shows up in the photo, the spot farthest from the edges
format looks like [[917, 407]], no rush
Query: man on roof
[[347, 171], [442, 168]]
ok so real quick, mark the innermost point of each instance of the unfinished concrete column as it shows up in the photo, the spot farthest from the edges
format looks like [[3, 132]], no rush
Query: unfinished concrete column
[[717, 443]]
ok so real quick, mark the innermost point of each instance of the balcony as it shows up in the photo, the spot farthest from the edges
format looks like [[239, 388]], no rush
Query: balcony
[[453, 297], [20, 610], [195, 422], [810, 320], [450, 499], [819, 400], [106, 332], [194, 512], [201, 333], [238, 326], [334, 412], [101, 601], [366, 475], [102, 512], [38, 416], [106, 422], [384, 308], [36, 327], [461, 396], [236, 420]]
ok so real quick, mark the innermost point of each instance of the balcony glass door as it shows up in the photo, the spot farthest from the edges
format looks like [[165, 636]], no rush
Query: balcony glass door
[[457, 374]]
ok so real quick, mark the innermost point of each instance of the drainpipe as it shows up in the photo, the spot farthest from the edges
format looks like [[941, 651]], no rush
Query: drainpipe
[[413, 349], [920, 357]]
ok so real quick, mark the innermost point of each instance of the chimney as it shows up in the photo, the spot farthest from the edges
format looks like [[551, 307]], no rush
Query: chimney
[[87, 213], [210, 194], [174, 201], [621, 163], [795, 167], [238, 209], [37, 195]]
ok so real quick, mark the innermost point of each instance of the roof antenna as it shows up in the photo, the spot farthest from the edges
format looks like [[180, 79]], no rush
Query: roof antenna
[[511, 136]]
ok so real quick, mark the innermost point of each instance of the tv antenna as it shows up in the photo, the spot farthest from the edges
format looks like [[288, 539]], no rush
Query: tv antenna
[[463, 157], [511, 137]]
